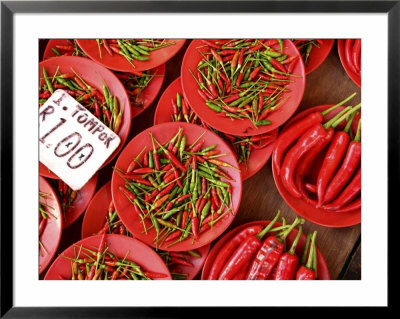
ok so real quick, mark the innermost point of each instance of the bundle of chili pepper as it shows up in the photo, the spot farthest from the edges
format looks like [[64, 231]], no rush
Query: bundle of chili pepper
[[65, 195], [244, 79], [181, 111], [235, 255], [43, 217], [100, 264], [70, 49], [352, 55], [132, 49], [102, 104], [241, 146], [180, 189], [134, 84], [305, 47], [305, 140]]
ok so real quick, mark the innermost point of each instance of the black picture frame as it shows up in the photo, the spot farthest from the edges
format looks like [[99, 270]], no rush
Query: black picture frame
[[9, 8]]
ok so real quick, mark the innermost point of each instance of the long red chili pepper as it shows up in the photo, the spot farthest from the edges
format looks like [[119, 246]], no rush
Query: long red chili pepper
[[347, 52], [307, 272], [331, 161], [305, 143], [287, 264], [346, 170]]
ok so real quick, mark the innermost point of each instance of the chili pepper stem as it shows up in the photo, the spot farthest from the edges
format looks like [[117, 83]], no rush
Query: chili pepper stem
[[339, 104]]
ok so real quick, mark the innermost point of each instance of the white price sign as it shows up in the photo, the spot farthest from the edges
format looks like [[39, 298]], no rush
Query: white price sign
[[73, 143]]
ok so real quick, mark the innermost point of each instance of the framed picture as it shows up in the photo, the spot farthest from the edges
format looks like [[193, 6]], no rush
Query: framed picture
[[301, 58]]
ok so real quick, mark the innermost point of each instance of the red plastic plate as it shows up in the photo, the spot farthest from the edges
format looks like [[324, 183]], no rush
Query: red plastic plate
[[322, 268], [119, 63], [316, 215], [93, 73], [257, 159], [119, 245], [51, 234], [81, 201], [163, 133], [356, 78], [240, 127], [318, 55]]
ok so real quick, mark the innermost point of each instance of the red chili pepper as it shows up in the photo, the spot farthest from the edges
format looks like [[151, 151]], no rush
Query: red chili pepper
[[181, 261], [195, 225], [229, 249], [65, 47], [240, 59], [216, 56], [331, 161], [154, 275], [255, 72], [241, 274], [175, 234], [255, 48], [271, 42], [211, 44], [347, 53], [239, 79], [346, 170], [143, 170], [127, 193], [306, 272], [184, 219], [291, 134], [174, 107], [105, 44], [356, 55], [277, 65], [234, 60], [304, 144], [287, 264]]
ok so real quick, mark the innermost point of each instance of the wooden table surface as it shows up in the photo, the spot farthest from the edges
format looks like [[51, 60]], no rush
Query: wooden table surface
[[328, 84]]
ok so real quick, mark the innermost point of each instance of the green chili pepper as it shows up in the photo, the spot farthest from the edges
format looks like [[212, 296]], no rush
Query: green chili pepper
[[48, 82]]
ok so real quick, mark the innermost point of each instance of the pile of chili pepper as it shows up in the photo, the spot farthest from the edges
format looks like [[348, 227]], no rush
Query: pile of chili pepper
[[134, 83], [183, 190], [43, 217], [305, 47], [338, 184], [70, 49], [102, 104], [132, 49], [352, 54], [241, 146], [100, 264], [257, 253], [65, 195], [244, 79], [174, 259]]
